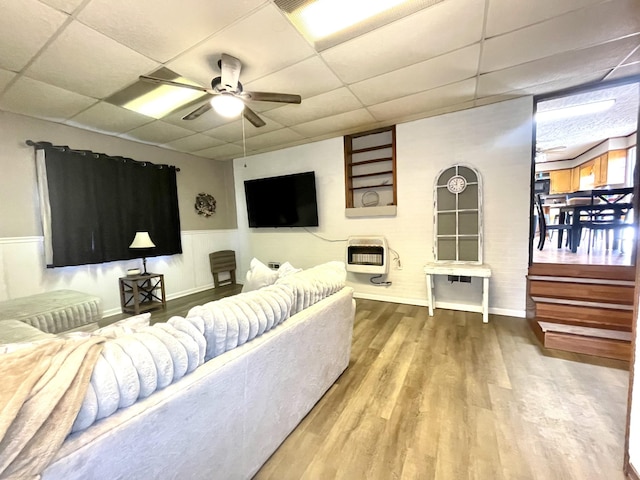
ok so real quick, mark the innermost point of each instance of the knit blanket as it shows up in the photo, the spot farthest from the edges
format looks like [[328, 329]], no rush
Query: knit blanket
[[43, 385]]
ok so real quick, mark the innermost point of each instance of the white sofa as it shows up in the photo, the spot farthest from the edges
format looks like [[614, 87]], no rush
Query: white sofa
[[224, 419]]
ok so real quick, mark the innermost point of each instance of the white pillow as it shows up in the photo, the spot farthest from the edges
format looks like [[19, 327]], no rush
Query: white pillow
[[258, 276], [287, 269]]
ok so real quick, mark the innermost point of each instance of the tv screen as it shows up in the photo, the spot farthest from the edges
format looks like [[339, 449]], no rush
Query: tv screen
[[285, 201]]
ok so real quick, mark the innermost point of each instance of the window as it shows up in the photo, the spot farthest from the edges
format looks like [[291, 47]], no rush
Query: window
[[458, 215], [93, 204]]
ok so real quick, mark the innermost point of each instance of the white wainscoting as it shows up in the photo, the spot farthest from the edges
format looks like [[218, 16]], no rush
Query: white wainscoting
[[23, 272]]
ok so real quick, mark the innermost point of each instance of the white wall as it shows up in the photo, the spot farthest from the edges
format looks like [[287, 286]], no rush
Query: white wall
[[23, 272], [495, 139]]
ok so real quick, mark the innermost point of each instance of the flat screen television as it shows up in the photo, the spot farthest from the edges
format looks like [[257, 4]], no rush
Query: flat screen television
[[284, 201]]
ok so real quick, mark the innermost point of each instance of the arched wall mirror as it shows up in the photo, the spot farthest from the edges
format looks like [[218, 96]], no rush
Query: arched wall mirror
[[458, 215]]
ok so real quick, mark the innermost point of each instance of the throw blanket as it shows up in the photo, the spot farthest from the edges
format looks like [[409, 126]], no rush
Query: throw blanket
[[43, 385]]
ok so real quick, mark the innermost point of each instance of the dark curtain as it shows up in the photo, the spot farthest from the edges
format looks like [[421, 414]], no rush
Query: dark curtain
[[99, 202]]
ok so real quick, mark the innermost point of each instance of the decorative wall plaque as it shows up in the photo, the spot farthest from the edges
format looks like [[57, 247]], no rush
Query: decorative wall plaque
[[205, 204]]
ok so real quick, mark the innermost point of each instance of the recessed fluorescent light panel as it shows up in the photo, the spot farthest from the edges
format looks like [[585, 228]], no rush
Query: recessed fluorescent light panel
[[156, 101], [327, 23], [574, 110], [163, 99]]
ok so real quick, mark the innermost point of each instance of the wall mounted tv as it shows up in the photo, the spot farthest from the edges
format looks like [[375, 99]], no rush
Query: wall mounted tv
[[285, 201]]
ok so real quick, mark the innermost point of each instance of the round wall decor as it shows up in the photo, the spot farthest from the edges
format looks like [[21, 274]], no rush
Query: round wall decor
[[205, 204]]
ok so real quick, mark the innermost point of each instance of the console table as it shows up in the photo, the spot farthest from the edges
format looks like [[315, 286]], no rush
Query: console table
[[463, 270], [141, 293]]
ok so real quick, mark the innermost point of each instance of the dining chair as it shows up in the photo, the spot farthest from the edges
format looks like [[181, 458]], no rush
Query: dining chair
[[608, 224], [549, 227]]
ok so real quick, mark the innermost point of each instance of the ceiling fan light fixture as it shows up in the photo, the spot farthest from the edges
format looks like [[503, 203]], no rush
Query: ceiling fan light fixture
[[227, 105]]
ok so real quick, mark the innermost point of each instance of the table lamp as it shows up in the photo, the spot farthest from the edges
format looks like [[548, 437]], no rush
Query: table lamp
[[142, 241]]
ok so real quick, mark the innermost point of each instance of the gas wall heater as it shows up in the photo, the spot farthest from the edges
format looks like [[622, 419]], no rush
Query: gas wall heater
[[367, 254]]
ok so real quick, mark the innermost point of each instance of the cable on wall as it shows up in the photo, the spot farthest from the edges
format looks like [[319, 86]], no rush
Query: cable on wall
[[323, 238]]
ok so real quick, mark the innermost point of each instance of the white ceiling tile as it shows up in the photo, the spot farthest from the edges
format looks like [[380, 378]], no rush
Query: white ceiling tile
[[67, 6], [578, 29], [307, 79], [421, 103], [37, 22], [442, 28], [223, 152], [263, 41], [194, 143], [277, 137], [625, 71], [108, 118], [40, 100], [232, 131], [5, 77], [335, 124], [337, 101], [100, 65], [570, 64], [157, 132], [162, 29], [507, 15], [443, 70]]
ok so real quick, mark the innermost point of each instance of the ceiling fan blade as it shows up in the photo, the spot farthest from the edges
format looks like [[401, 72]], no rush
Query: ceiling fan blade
[[205, 107], [162, 81], [230, 67], [273, 97], [253, 117]]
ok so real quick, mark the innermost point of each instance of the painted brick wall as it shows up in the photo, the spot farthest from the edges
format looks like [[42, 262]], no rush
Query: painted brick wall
[[495, 139]]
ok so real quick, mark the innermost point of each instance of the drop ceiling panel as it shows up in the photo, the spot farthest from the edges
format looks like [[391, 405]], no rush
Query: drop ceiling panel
[[307, 78], [194, 143], [558, 67], [100, 66], [625, 71], [423, 102], [263, 41], [36, 99], [67, 6], [277, 137], [5, 77], [336, 123], [232, 131], [37, 22], [162, 29], [508, 15], [442, 28], [223, 152], [337, 101], [157, 132], [575, 30], [443, 70], [108, 118]]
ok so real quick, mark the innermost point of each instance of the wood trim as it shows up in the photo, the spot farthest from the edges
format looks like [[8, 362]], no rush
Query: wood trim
[[585, 315], [612, 294], [348, 180], [631, 472], [601, 347], [393, 166], [605, 272]]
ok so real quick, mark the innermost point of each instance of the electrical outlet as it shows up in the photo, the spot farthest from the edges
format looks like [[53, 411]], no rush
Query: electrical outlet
[[465, 279], [453, 278], [274, 265]]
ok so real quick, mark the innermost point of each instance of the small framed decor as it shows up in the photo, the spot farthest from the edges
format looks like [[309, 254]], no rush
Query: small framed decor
[[205, 204]]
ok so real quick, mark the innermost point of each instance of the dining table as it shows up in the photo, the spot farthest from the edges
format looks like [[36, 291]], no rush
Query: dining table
[[615, 203]]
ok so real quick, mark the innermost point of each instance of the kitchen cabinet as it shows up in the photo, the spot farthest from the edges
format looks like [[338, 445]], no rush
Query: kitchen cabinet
[[560, 181]]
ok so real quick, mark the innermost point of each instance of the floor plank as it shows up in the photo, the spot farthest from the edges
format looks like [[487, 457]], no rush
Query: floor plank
[[450, 398]]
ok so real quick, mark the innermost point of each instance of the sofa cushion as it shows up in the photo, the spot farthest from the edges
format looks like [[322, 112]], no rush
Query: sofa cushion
[[15, 331]]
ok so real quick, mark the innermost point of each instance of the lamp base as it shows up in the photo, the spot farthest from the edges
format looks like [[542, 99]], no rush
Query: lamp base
[[144, 265]]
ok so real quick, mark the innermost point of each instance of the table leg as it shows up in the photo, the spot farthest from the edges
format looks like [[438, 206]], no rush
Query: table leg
[[485, 300], [430, 298]]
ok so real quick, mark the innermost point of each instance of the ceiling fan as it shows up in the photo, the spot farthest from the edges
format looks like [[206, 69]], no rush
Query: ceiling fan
[[229, 99], [541, 153]]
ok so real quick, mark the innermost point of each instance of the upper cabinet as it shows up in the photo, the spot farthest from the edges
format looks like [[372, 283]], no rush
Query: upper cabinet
[[608, 169]]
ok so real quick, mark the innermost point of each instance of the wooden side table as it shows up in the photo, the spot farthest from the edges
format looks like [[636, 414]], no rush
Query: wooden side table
[[142, 293]]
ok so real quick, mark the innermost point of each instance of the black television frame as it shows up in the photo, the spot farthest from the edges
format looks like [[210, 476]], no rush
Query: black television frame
[[282, 201]]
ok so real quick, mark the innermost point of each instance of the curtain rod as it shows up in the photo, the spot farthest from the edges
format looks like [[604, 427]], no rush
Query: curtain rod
[[62, 148]]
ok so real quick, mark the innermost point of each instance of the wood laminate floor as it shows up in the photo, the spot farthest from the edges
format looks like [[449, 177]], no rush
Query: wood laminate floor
[[450, 398]]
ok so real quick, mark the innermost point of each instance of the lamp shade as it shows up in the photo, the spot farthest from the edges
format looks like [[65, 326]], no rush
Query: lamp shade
[[142, 240], [227, 105]]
